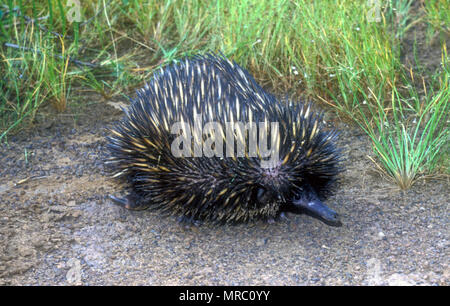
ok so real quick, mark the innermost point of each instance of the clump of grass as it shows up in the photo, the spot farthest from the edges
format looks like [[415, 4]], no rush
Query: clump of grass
[[368, 59], [38, 54], [409, 138], [57, 80], [303, 50], [21, 87], [167, 29], [296, 50], [32, 72], [398, 16], [438, 15]]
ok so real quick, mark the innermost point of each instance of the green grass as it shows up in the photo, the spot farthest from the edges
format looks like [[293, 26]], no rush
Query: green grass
[[22, 87], [438, 16], [326, 50], [409, 138]]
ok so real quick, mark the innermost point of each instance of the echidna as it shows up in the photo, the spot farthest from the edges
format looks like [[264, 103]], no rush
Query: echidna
[[186, 145]]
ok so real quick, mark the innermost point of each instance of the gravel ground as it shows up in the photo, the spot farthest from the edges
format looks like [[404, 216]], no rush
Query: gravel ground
[[58, 227]]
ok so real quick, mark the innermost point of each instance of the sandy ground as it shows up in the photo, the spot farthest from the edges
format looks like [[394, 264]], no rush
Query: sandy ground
[[57, 225]]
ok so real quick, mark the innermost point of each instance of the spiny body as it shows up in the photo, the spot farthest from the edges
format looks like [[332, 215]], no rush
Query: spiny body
[[221, 189]]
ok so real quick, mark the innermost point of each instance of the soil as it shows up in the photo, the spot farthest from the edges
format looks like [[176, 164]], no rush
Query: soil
[[58, 227]]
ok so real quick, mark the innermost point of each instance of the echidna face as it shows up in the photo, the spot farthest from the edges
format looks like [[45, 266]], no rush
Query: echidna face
[[308, 164], [299, 197], [263, 196]]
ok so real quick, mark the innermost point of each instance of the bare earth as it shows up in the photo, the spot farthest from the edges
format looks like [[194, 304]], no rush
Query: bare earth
[[58, 227]]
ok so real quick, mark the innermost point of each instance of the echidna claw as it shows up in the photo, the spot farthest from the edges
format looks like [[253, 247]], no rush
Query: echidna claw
[[127, 203], [280, 217], [283, 216], [271, 221], [119, 201], [187, 221]]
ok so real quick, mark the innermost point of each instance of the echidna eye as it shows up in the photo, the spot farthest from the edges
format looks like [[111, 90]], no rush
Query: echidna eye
[[262, 195]]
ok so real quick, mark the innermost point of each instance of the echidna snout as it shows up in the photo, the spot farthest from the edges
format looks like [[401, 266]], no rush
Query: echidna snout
[[310, 204], [319, 210]]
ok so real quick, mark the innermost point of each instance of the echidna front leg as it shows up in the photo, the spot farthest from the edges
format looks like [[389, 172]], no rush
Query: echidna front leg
[[131, 202], [184, 220], [282, 216]]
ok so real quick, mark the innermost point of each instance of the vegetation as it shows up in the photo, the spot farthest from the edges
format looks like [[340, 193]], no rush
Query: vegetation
[[346, 54]]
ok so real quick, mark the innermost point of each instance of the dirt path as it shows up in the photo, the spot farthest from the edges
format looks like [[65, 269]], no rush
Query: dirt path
[[58, 227]]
